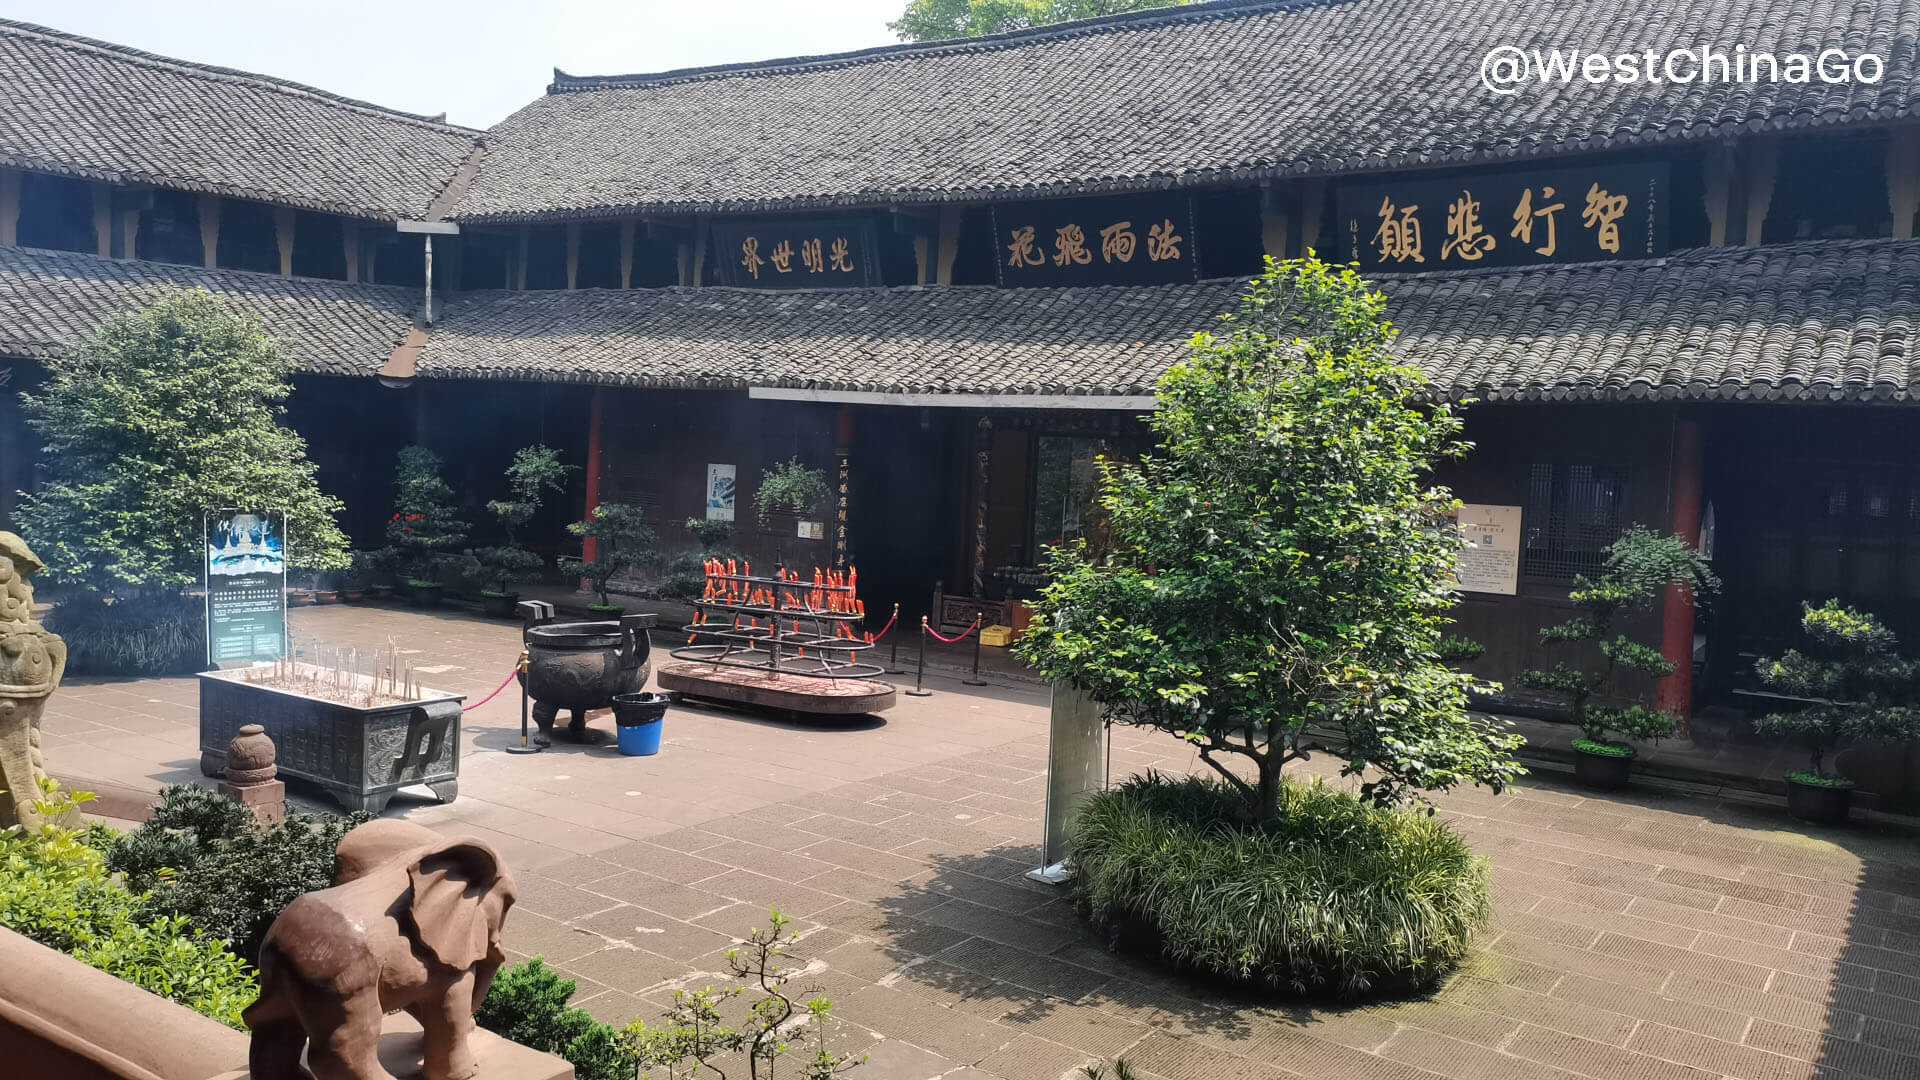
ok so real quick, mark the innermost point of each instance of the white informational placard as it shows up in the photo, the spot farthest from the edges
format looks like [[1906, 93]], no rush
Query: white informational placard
[[720, 492], [1490, 550]]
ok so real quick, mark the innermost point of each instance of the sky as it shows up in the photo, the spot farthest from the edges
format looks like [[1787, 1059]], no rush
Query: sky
[[475, 60]]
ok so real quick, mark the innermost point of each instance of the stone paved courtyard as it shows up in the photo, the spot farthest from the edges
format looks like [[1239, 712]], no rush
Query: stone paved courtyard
[[1650, 935]]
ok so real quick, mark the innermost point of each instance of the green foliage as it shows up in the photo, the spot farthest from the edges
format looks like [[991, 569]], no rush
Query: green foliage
[[535, 471], [160, 633], [1278, 577], [1455, 649], [791, 488], [943, 20], [167, 413], [1639, 566], [1860, 684], [1603, 749], [223, 872], [1816, 780], [621, 537], [502, 566], [710, 533], [528, 1004], [1334, 896], [55, 888], [1122, 1070], [424, 528]]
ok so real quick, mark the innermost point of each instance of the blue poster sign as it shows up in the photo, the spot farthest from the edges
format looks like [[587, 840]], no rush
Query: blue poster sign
[[246, 586]]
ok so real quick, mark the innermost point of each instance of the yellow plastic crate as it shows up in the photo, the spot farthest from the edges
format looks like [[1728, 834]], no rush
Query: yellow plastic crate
[[996, 636]]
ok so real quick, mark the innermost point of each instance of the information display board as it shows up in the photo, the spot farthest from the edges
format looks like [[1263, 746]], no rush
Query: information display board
[[1490, 549], [246, 586]]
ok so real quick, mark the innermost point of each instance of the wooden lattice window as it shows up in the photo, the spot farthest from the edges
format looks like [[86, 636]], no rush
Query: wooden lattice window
[[1572, 514]]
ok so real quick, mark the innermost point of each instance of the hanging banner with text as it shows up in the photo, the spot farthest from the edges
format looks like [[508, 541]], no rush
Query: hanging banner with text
[[801, 253], [1506, 219], [246, 586], [1143, 240]]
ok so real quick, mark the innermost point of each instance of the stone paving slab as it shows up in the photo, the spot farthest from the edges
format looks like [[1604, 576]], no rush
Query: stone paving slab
[[1651, 935]]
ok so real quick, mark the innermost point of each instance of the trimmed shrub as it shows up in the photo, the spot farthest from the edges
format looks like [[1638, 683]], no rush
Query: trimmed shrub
[[223, 872], [528, 1004], [1336, 897], [141, 635], [56, 889]]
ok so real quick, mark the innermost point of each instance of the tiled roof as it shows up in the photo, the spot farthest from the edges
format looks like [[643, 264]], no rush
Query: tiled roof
[[1229, 91], [1820, 320], [53, 301], [86, 108]]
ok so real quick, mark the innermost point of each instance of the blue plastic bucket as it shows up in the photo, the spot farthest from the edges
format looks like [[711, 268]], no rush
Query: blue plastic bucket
[[640, 740]]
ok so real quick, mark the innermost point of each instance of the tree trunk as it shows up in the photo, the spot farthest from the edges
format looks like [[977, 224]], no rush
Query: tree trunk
[[1269, 789]]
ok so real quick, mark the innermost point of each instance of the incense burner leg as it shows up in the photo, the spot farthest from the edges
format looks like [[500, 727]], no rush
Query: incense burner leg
[[212, 763], [375, 803], [444, 790], [577, 727], [543, 715]]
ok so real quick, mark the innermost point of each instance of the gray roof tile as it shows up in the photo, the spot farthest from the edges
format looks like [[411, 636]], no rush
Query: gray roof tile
[[53, 301], [1226, 91], [1820, 320], [86, 108]]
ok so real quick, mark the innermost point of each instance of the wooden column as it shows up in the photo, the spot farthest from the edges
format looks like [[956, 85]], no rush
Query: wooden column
[[283, 236], [1675, 692], [683, 259], [129, 234], [520, 260], [949, 244], [1903, 179], [982, 473], [626, 254], [1313, 210], [9, 207], [210, 230], [350, 239], [1718, 194], [699, 252], [573, 255], [1273, 224], [103, 220], [1763, 167], [922, 260], [595, 414]]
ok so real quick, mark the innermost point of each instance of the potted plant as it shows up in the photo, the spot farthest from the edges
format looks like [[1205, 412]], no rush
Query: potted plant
[[616, 535], [789, 488], [1638, 568], [535, 471], [382, 567], [299, 588], [326, 587], [710, 533], [1857, 685], [639, 719], [423, 527], [355, 578]]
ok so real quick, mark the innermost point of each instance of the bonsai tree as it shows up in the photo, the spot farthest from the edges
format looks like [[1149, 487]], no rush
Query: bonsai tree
[[536, 470], [617, 535], [1638, 567], [711, 534], [166, 413], [1278, 577], [1859, 683], [423, 527], [790, 488]]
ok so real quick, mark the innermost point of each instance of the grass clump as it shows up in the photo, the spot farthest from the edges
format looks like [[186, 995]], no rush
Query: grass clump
[[158, 634], [1333, 898]]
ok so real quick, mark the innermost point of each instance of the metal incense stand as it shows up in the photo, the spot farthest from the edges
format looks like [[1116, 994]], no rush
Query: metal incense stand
[[920, 674]]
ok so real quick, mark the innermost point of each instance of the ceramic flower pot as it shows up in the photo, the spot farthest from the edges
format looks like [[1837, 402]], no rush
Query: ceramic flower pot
[[1604, 772], [1821, 804]]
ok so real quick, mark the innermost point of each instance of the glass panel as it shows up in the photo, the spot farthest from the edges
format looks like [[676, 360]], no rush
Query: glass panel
[[1065, 483]]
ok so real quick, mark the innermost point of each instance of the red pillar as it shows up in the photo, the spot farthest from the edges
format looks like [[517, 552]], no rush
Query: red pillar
[[1675, 692], [593, 467]]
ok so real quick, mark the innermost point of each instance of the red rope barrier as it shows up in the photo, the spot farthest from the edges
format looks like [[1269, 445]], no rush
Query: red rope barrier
[[961, 637], [891, 619], [502, 686]]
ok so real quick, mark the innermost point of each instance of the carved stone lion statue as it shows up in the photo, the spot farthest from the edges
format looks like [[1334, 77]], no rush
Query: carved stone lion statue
[[31, 663]]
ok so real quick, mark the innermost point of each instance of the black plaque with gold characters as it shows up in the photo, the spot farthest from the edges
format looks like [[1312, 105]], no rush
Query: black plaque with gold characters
[[1463, 221], [800, 253], [1145, 240]]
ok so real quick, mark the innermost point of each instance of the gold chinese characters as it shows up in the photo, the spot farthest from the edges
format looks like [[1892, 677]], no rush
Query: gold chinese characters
[[1118, 244], [839, 256], [1399, 238]]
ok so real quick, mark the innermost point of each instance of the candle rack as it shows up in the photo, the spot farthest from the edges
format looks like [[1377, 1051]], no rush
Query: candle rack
[[780, 625]]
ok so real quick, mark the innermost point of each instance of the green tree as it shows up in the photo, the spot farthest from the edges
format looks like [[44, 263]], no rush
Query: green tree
[[424, 526], [536, 470], [1639, 566], [618, 532], [1859, 684], [167, 413], [1278, 579], [942, 20]]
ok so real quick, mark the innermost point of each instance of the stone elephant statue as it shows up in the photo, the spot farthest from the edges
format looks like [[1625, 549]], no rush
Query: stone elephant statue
[[412, 922]]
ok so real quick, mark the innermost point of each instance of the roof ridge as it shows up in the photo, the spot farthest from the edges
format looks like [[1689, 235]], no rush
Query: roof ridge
[[63, 39], [1212, 10]]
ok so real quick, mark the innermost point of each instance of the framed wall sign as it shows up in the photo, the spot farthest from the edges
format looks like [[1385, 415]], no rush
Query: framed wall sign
[[1127, 240], [797, 253], [1489, 560], [1467, 220], [246, 586], [721, 490]]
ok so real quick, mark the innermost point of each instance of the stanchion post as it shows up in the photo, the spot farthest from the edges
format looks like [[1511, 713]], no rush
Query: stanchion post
[[920, 676], [521, 669], [978, 618], [893, 660]]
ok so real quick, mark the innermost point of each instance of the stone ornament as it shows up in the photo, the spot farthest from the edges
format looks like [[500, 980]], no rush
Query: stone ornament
[[251, 774], [31, 663], [412, 922]]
